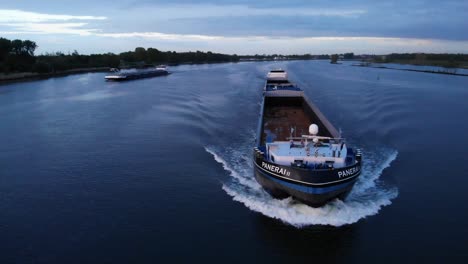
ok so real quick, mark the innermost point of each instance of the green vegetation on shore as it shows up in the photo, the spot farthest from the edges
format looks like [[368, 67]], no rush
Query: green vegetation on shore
[[442, 60], [17, 56], [18, 61]]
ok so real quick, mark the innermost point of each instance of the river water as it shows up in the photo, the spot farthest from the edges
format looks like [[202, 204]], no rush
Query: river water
[[160, 169]]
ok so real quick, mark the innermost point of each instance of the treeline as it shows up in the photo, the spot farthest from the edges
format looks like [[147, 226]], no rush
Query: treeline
[[58, 61], [18, 56], [347, 56], [152, 55], [444, 59], [277, 57]]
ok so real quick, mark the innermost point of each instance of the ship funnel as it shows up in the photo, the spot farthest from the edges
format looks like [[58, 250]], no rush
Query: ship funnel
[[313, 129]]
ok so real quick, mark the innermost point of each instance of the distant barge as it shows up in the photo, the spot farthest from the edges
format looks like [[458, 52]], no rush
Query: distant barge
[[291, 158], [139, 74]]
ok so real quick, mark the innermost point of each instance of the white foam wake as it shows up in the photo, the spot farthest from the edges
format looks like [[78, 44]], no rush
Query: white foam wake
[[248, 182], [369, 195]]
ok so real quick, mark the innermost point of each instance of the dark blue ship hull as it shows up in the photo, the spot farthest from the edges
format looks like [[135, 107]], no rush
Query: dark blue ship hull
[[312, 187], [138, 75]]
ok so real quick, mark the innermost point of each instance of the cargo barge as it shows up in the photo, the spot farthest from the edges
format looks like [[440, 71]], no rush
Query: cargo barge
[[299, 153], [119, 75]]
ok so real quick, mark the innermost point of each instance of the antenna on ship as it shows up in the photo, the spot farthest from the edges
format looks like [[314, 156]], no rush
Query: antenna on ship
[[313, 130]]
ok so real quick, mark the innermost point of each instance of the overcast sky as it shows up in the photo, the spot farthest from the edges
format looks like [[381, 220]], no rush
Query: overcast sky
[[241, 27]]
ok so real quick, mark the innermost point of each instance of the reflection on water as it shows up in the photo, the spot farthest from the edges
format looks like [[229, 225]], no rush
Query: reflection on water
[[97, 95]]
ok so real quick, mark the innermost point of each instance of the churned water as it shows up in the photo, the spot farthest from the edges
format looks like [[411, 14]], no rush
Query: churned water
[[160, 169]]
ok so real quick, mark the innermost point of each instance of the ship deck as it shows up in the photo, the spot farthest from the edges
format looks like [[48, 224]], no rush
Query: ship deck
[[284, 117], [282, 114], [279, 120]]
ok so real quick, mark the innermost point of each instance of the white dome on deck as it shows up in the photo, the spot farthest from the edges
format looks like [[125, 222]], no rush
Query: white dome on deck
[[313, 129]]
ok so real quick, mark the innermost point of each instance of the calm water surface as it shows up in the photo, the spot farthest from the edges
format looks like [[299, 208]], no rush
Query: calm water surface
[[160, 169]]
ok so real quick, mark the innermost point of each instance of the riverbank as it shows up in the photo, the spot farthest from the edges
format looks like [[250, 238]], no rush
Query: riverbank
[[461, 64], [447, 71], [30, 76]]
